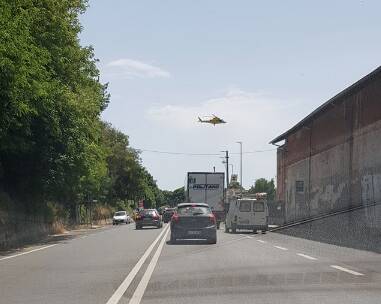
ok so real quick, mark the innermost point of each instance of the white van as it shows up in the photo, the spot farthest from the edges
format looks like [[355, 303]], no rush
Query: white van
[[247, 213]]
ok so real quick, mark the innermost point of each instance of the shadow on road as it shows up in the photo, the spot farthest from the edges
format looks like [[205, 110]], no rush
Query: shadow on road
[[188, 242], [351, 229], [148, 228]]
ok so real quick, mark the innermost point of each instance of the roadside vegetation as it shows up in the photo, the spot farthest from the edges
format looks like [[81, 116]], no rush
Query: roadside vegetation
[[263, 185], [55, 151]]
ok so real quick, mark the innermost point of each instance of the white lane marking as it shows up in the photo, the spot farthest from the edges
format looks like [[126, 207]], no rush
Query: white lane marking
[[139, 291], [27, 252], [247, 236], [261, 241], [306, 256], [280, 247], [127, 281], [347, 270]]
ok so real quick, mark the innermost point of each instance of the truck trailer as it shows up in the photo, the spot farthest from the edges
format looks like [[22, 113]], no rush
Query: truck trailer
[[209, 188]]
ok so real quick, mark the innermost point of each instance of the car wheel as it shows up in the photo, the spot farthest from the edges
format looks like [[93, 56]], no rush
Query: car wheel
[[255, 231], [172, 239], [213, 240], [218, 225], [137, 227], [234, 228]]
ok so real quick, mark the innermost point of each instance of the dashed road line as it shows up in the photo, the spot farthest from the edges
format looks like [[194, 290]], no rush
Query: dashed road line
[[261, 241], [306, 256], [281, 248], [347, 270], [127, 281], [247, 236], [27, 252]]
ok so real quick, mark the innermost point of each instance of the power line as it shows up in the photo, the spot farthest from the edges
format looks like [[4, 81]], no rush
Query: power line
[[179, 153], [252, 152], [199, 154]]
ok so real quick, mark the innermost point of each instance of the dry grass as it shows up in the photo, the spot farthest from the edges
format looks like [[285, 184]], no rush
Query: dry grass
[[58, 228]]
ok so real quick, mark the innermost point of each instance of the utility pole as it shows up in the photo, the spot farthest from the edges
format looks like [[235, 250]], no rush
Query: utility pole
[[227, 167], [240, 169]]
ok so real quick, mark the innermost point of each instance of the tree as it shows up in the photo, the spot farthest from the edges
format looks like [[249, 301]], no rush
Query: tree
[[53, 145], [173, 198], [50, 106], [263, 185]]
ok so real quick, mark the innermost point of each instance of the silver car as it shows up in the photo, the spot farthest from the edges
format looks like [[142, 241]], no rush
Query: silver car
[[121, 217]]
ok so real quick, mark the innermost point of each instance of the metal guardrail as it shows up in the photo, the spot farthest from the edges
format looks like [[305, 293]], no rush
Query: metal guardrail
[[325, 215]]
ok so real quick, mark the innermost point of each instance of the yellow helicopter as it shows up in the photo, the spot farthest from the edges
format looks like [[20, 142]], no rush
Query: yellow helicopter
[[214, 120]]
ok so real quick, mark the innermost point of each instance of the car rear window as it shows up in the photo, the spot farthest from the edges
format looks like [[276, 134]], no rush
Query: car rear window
[[193, 210], [258, 207], [245, 206], [148, 212], [120, 213]]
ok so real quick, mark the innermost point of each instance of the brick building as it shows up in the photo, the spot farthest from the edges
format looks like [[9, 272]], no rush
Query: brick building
[[331, 160]]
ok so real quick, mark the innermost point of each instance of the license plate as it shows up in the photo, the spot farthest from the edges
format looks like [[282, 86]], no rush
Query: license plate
[[194, 232]]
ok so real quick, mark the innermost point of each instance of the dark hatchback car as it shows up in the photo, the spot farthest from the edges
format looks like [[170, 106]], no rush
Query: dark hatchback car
[[193, 221], [168, 214], [148, 217]]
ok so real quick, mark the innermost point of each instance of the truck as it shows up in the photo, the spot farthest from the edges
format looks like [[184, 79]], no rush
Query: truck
[[209, 188]]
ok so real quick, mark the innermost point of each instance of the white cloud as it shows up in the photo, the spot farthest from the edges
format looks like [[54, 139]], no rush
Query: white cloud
[[129, 68], [254, 118], [245, 112]]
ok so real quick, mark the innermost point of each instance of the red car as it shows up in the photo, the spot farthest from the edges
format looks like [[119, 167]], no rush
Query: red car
[[148, 217]]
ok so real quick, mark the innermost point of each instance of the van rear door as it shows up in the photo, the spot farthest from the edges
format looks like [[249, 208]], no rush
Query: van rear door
[[245, 215], [259, 213]]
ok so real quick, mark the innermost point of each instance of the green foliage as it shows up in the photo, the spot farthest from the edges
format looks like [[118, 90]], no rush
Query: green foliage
[[173, 198], [53, 145], [127, 179], [263, 185]]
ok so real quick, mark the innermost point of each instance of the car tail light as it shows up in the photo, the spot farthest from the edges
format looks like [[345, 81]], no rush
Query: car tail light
[[156, 217], [212, 218], [175, 218], [138, 217]]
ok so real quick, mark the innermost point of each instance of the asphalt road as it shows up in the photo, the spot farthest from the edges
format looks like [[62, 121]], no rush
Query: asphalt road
[[123, 265]]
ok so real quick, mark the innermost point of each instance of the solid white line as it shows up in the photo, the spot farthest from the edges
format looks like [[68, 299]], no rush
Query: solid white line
[[139, 291], [306, 256], [347, 270], [261, 241], [30, 251], [127, 281], [281, 248]]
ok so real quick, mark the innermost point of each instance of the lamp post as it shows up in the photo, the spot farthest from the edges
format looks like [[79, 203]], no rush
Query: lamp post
[[240, 165]]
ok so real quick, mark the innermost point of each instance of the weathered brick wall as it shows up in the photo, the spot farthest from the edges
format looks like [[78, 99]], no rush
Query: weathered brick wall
[[336, 157]]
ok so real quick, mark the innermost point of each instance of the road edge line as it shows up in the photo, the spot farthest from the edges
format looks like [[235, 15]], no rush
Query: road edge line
[[27, 252]]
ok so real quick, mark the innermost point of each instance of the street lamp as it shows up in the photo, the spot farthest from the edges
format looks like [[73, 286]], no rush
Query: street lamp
[[240, 166]]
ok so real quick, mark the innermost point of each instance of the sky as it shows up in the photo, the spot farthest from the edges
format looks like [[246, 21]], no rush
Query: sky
[[260, 65]]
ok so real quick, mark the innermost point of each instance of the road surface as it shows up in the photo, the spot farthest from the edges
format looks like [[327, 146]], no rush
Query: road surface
[[123, 265]]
